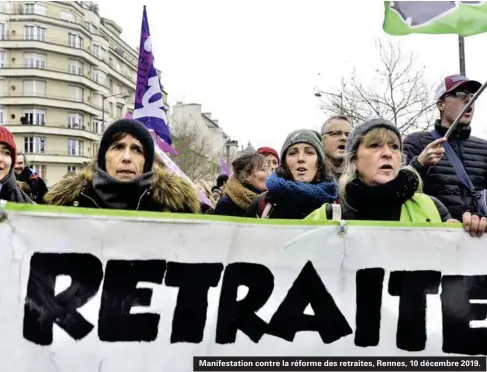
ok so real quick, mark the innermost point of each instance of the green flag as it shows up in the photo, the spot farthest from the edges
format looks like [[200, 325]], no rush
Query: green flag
[[464, 18]]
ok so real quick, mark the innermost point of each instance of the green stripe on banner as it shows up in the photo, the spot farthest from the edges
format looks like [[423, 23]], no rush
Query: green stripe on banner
[[48, 209]]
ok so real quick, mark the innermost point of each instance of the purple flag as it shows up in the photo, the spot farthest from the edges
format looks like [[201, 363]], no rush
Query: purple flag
[[224, 168], [149, 104]]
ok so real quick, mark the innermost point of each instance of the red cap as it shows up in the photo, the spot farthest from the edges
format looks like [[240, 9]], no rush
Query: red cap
[[268, 151], [7, 139], [452, 82]]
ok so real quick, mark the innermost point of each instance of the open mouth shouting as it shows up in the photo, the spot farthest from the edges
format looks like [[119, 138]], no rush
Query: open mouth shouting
[[301, 171], [386, 167]]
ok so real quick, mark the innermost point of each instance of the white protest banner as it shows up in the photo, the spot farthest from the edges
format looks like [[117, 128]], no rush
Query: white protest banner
[[112, 291]]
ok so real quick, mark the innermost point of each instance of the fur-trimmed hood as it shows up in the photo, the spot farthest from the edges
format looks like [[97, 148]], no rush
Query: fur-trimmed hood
[[171, 192]]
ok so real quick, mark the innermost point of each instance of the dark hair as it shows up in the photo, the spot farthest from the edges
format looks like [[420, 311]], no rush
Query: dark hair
[[245, 164], [222, 178], [323, 173]]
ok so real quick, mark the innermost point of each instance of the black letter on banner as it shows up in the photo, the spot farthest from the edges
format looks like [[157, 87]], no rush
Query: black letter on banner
[[120, 294], [369, 283], [194, 282], [412, 287], [43, 308], [289, 318], [236, 315], [458, 312]]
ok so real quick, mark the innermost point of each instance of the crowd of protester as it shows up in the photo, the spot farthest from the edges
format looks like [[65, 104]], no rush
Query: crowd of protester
[[362, 172]]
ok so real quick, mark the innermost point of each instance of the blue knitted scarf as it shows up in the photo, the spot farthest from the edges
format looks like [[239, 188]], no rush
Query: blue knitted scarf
[[322, 192]]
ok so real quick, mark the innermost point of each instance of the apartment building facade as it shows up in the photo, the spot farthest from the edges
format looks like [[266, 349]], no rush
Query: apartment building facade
[[65, 74]]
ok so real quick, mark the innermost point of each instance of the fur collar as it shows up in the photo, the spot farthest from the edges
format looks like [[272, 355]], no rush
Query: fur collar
[[172, 192]]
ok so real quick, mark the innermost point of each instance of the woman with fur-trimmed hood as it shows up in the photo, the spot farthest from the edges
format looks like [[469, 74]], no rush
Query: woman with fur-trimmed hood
[[126, 177]]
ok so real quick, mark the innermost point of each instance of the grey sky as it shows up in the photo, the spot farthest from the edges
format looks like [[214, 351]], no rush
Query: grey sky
[[254, 64]]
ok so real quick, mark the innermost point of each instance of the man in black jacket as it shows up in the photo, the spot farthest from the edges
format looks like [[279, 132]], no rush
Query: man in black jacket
[[36, 184], [426, 154]]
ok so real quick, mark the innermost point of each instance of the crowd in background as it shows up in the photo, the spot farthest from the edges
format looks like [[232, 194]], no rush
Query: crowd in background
[[365, 172]]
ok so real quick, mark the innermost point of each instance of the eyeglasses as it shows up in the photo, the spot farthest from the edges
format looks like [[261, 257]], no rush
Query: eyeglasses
[[337, 133], [461, 95]]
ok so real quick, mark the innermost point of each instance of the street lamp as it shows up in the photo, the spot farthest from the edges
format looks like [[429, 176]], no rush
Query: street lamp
[[124, 95], [320, 93]]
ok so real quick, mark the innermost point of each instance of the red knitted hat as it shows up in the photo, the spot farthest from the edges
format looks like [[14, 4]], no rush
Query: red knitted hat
[[268, 151], [8, 140]]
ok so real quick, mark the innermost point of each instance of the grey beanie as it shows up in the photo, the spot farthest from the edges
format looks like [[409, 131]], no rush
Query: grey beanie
[[311, 137], [363, 128]]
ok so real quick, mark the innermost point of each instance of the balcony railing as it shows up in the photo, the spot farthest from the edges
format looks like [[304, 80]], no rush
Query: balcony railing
[[56, 153], [64, 42], [50, 68], [80, 22]]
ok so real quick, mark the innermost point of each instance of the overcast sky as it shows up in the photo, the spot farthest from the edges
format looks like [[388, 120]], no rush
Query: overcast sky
[[255, 64]]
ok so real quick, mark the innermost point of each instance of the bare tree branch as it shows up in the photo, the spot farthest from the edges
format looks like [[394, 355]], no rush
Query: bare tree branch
[[196, 158], [398, 93]]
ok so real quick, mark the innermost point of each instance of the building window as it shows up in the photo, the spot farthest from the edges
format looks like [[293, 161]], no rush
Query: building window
[[75, 41], [41, 170], [95, 146], [119, 112], [1, 116], [35, 33], [75, 67], [33, 117], [75, 147], [3, 58], [97, 100], [75, 121], [34, 145], [34, 60], [3, 31], [111, 112], [2, 87], [34, 88], [100, 77], [99, 52], [66, 15], [98, 127], [72, 169], [75, 93], [29, 8]]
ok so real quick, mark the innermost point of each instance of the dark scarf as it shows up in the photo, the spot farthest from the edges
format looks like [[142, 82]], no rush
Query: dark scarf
[[383, 202], [117, 194], [300, 192], [7, 184]]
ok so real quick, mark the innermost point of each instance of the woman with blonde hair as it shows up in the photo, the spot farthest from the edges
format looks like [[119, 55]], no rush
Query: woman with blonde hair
[[375, 186]]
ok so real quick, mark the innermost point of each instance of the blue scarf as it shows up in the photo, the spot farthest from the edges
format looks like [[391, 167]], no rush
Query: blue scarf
[[320, 193]]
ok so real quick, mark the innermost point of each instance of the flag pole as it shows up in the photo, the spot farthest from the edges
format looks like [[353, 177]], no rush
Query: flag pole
[[467, 106], [461, 54]]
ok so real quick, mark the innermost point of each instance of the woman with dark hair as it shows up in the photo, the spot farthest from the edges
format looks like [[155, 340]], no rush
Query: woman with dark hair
[[302, 183], [247, 182]]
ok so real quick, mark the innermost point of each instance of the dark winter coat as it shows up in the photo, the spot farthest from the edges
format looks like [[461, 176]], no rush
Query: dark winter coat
[[441, 181], [168, 193], [38, 188]]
